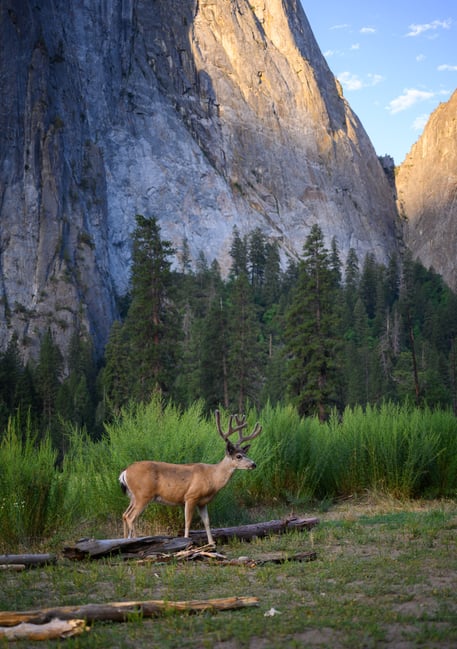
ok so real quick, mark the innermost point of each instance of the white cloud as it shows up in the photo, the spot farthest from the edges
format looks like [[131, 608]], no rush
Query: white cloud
[[343, 26], [368, 30], [329, 53], [420, 122], [355, 46], [375, 79], [447, 68], [352, 81], [417, 30], [420, 58], [410, 97]]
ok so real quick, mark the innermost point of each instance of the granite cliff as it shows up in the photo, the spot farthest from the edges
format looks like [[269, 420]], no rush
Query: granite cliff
[[205, 114], [427, 193]]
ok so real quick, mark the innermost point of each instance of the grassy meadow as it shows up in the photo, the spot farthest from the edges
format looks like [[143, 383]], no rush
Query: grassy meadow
[[384, 576], [383, 483]]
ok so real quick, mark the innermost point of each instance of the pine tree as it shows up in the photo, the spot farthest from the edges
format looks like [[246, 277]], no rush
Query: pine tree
[[245, 357], [115, 374], [214, 355], [256, 260], [10, 374], [351, 288], [272, 277], [313, 340], [77, 395], [152, 324], [407, 303], [239, 254], [368, 282], [48, 376]]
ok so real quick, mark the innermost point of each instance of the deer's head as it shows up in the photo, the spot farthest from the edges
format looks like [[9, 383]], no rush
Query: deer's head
[[237, 453]]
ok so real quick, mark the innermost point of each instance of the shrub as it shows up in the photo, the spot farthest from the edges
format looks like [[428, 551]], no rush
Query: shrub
[[30, 486]]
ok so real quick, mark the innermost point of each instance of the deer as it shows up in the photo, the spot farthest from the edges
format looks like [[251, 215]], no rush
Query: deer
[[188, 485]]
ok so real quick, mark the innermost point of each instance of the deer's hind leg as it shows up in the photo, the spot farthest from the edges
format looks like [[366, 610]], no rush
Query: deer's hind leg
[[189, 508], [130, 516]]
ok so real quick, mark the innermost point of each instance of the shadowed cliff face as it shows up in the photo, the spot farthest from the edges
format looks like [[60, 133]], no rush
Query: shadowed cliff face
[[427, 193], [203, 114]]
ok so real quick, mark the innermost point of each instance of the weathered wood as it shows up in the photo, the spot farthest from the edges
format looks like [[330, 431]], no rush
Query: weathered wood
[[98, 548], [120, 611], [202, 554], [257, 530], [153, 545], [28, 560], [48, 631], [299, 557]]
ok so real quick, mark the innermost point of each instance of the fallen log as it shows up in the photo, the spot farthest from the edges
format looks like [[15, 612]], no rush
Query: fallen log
[[256, 530], [121, 611], [98, 548], [153, 545], [28, 560], [48, 631]]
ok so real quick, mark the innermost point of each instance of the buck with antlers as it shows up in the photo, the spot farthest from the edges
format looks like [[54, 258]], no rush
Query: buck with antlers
[[190, 485]]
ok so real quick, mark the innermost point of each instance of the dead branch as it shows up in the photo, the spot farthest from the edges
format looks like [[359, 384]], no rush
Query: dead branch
[[49, 631], [197, 554], [121, 611], [28, 560]]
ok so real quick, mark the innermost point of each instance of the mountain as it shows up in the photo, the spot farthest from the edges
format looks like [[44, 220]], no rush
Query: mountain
[[427, 193], [205, 114]]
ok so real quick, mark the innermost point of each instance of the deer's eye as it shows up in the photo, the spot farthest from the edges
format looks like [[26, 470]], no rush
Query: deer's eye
[[239, 456]]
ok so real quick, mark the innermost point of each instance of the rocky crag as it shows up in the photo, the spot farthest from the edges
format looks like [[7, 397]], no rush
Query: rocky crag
[[427, 193], [206, 114]]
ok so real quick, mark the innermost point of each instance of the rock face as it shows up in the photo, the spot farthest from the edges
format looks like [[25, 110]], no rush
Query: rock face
[[205, 114], [427, 193]]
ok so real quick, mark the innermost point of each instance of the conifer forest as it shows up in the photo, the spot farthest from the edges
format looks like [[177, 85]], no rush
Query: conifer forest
[[317, 335]]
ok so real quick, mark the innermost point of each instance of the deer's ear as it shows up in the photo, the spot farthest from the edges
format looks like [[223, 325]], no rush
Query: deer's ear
[[230, 448], [246, 448]]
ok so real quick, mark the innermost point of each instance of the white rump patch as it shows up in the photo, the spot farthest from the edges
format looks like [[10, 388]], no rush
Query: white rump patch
[[123, 480]]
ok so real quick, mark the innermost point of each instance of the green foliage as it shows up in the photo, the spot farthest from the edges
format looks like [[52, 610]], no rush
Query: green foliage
[[391, 449], [141, 354], [246, 354], [313, 333], [30, 486], [284, 453], [302, 335], [399, 451]]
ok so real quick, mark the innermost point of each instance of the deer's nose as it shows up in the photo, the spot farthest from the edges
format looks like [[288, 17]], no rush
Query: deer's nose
[[253, 465]]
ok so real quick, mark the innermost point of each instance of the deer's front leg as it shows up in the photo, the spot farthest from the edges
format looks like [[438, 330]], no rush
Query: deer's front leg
[[203, 510]]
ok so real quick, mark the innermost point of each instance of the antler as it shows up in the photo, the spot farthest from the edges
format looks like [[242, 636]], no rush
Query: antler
[[241, 424]]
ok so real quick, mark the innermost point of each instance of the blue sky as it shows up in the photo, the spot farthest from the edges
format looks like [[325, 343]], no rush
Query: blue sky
[[396, 60]]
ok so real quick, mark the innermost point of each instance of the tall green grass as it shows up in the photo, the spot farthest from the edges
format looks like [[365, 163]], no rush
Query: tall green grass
[[395, 449], [392, 449], [31, 491]]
